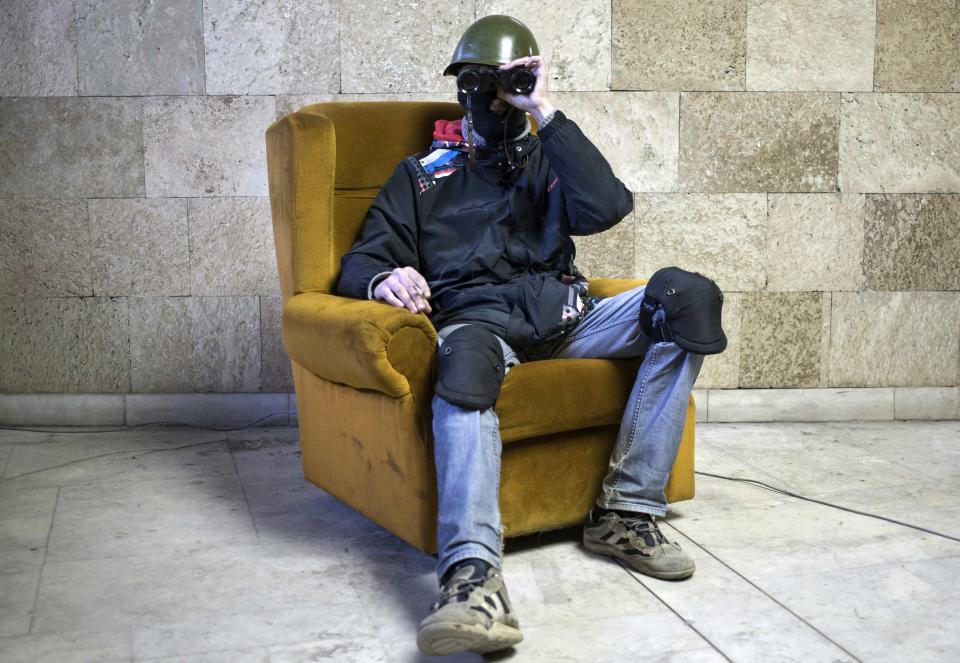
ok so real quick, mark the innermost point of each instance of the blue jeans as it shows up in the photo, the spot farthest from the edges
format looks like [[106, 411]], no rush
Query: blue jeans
[[467, 443]]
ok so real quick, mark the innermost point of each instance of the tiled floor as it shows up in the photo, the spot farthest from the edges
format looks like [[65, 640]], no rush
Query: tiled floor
[[190, 545]]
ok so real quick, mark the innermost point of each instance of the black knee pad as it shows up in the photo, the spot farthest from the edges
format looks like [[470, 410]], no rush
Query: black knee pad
[[684, 307], [470, 368]]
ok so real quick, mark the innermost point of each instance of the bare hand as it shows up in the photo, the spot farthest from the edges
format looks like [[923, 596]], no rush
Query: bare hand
[[405, 288], [536, 103]]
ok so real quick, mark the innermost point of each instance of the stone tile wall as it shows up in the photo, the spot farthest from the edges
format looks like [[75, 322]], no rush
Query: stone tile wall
[[805, 155]]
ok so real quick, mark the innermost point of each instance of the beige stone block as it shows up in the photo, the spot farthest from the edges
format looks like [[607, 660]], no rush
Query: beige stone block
[[608, 254], [904, 339], [637, 132], [161, 351], [826, 306], [780, 339], [67, 344], [722, 371], [573, 36], [899, 143], [720, 236], [270, 46], [912, 242], [392, 46], [918, 46], [231, 247], [206, 146], [70, 147], [814, 241], [103, 346], [277, 377], [803, 45], [38, 48], [226, 343], [289, 103], [758, 141], [139, 246], [194, 344], [137, 48], [679, 45], [44, 248]]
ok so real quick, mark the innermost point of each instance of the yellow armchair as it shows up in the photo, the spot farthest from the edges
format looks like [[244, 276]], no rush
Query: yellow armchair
[[364, 371]]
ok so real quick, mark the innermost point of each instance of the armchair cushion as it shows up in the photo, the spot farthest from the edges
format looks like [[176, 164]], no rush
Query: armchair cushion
[[557, 395]]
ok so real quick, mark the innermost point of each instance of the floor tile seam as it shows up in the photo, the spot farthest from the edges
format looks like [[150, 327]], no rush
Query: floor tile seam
[[852, 510], [112, 482], [243, 492], [57, 560], [920, 469], [111, 453], [134, 626], [767, 594], [679, 616], [43, 564], [178, 554], [255, 648], [6, 460], [899, 563], [791, 545], [577, 622], [359, 597], [275, 482], [120, 481]]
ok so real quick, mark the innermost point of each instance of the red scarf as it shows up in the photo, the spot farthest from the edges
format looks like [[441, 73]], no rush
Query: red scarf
[[448, 130]]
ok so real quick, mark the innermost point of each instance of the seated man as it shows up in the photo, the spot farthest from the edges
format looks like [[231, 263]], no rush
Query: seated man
[[475, 232]]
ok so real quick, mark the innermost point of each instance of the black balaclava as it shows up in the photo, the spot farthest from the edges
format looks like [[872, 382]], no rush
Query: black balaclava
[[489, 125]]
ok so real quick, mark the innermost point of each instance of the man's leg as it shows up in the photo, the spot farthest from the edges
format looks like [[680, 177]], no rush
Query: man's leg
[[652, 424], [474, 611], [623, 525], [467, 449]]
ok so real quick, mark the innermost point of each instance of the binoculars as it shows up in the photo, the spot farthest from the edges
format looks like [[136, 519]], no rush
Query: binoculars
[[473, 79]]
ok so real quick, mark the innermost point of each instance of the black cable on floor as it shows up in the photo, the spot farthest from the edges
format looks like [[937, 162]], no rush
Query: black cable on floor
[[830, 504], [150, 423]]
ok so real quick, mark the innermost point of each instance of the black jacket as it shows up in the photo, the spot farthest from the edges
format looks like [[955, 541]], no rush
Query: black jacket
[[493, 241]]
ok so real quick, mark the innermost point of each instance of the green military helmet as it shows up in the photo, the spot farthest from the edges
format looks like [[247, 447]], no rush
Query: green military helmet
[[493, 40]]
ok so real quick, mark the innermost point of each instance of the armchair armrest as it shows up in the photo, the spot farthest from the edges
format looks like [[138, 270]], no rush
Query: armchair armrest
[[360, 343], [611, 287]]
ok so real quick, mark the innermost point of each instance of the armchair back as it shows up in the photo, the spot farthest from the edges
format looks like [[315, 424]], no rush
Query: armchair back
[[326, 163]]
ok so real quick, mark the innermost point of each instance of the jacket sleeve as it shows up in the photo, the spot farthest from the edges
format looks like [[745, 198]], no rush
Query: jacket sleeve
[[388, 238], [595, 199]]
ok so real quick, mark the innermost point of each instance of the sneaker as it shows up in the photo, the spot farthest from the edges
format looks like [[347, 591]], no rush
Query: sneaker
[[473, 614], [637, 540]]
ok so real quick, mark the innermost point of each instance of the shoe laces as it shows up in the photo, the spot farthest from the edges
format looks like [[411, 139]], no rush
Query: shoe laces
[[646, 528], [459, 590]]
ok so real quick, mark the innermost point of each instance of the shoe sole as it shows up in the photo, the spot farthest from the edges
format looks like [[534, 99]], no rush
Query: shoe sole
[[451, 637], [613, 551]]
